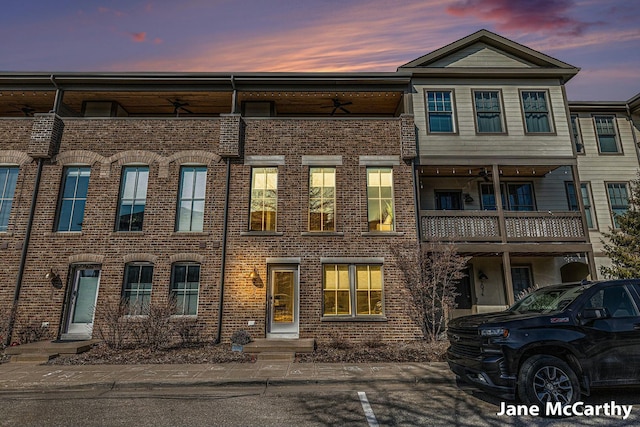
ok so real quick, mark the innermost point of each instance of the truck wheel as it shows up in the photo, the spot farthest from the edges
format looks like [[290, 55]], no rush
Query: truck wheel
[[545, 379]]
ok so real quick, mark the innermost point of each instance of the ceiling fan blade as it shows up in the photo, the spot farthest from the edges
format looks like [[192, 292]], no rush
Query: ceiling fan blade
[[345, 110], [346, 103], [334, 111]]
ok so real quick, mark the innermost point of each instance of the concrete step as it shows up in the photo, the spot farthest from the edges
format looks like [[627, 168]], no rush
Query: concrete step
[[260, 345], [33, 357], [283, 356], [63, 347]]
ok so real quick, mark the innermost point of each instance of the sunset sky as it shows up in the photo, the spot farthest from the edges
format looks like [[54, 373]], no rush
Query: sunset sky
[[602, 37]]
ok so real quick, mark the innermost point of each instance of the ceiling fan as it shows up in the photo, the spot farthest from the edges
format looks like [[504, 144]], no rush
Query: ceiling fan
[[485, 174], [178, 106], [337, 105]]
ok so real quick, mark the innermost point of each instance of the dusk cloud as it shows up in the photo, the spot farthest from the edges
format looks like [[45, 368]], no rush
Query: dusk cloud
[[139, 37], [549, 16]]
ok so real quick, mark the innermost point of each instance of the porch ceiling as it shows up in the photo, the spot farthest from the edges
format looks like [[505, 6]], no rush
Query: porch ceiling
[[485, 172]]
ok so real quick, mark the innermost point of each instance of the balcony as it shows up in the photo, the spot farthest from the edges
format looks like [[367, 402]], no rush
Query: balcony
[[484, 226]]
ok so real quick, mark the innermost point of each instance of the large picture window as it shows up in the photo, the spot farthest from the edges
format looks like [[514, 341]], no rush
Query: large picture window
[[264, 199], [380, 199], [352, 290], [185, 285], [73, 198], [440, 115], [136, 293], [8, 180], [193, 184], [322, 199], [133, 198], [537, 117]]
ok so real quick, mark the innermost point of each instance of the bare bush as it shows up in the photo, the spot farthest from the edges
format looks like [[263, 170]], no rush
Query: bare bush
[[189, 331], [339, 342], [431, 273], [155, 330], [111, 326], [33, 332]]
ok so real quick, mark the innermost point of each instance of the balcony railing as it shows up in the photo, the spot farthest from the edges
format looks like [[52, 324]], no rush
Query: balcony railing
[[484, 226]]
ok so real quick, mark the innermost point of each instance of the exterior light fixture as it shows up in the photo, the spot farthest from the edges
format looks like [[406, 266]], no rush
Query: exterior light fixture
[[52, 276], [482, 278], [255, 277]]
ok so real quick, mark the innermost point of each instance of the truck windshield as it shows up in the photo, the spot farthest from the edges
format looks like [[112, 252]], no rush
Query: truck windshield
[[547, 300]]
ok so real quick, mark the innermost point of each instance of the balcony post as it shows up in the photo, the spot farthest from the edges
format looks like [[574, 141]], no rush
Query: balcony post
[[508, 282], [495, 176]]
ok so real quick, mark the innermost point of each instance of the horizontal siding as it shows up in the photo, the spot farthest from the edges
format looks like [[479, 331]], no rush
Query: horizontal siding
[[513, 144], [481, 55]]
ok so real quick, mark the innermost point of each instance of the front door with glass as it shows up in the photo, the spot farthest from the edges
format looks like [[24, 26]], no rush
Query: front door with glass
[[283, 302], [82, 303]]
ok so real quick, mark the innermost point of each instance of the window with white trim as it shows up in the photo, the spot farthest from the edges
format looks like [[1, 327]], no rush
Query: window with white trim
[[380, 208], [352, 290], [73, 198], [537, 116], [193, 185], [8, 180], [488, 111], [264, 199], [322, 199], [133, 198], [606, 133]]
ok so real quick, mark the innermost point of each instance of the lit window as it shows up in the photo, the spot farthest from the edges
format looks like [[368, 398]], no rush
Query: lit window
[[380, 199], [536, 112], [322, 199], [136, 293], [73, 198], [264, 199], [488, 112], [606, 131], [133, 198], [440, 112], [185, 283], [352, 288], [8, 179], [193, 184]]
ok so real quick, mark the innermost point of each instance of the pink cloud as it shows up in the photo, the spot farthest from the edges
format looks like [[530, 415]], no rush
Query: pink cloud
[[535, 16], [158, 40], [138, 37]]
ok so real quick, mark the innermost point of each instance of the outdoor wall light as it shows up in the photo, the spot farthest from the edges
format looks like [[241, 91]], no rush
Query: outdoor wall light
[[51, 275], [255, 277], [482, 278]]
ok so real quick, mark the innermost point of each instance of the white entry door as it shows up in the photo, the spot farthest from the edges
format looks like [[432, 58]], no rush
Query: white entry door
[[283, 302], [82, 304]]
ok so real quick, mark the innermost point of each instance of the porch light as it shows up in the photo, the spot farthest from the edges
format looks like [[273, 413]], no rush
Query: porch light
[[52, 276], [254, 276]]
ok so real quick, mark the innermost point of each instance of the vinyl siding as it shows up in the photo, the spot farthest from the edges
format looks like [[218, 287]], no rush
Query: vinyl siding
[[481, 55]]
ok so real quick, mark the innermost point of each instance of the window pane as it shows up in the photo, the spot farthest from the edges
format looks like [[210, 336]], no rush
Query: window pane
[[129, 186], [321, 199], [263, 204], [133, 198], [380, 199], [8, 179], [187, 183], [440, 111], [78, 216], [520, 197], [488, 112], [536, 112]]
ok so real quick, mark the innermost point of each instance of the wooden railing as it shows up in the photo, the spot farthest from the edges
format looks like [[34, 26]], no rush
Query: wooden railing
[[485, 226]]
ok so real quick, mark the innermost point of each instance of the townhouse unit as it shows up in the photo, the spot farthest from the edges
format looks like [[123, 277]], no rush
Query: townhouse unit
[[271, 202]]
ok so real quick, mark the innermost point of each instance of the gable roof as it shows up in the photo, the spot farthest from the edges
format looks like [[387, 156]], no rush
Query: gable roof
[[487, 53]]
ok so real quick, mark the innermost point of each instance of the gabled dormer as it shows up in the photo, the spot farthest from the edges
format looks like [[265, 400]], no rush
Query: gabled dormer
[[486, 54]]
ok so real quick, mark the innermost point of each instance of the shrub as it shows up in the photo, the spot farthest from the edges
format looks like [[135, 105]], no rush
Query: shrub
[[33, 332], [241, 337], [339, 342], [111, 327], [190, 332]]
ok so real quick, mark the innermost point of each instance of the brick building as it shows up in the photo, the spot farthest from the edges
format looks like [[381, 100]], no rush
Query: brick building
[[270, 201]]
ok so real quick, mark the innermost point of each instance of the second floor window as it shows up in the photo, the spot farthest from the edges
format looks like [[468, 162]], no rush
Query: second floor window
[[606, 132], [136, 292], [380, 199], [264, 199], [618, 200], [193, 184], [440, 112], [133, 198], [322, 199], [8, 180], [73, 198], [488, 112], [536, 112], [516, 196]]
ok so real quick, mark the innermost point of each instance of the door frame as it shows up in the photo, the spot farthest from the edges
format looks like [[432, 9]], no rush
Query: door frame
[[73, 281], [286, 331]]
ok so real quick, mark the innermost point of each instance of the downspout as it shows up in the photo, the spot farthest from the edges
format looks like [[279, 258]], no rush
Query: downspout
[[416, 195], [223, 254], [25, 248]]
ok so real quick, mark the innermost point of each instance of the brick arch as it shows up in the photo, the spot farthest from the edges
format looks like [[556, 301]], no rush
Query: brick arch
[[86, 258], [190, 156], [187, 257], [78, 156], [129, 156], [14, 157], [140, 257]]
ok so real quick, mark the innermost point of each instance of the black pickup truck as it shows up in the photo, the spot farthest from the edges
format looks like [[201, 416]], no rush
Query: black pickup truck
[[553, 345]]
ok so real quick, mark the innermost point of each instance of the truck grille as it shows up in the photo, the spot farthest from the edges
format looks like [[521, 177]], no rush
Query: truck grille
[[465, 342]]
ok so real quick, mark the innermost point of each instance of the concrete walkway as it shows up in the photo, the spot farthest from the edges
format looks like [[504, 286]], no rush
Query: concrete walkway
[[29, 377]]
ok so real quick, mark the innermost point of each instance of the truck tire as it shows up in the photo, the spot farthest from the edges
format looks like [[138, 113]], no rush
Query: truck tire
[[543, 379]]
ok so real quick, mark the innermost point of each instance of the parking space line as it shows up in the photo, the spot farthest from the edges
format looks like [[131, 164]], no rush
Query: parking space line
[[368, 412]]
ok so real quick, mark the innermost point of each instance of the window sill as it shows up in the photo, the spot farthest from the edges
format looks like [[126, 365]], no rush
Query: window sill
[[191, 233], [63, 234], [187, 317], [262, 233], [322, 233], [353, 319], [381, 234], [127, 233], [6, 233]]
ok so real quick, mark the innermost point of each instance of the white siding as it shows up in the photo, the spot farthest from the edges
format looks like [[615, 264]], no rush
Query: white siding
[[481, 55]]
